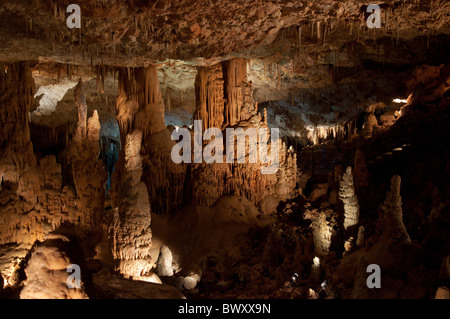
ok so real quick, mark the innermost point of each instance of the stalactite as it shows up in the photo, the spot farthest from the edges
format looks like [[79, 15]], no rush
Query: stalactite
[[319, 30], [168, 101], [278, 77], [236, 86]]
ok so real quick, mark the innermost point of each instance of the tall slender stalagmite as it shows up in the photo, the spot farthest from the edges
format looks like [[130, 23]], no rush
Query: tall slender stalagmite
[[390, 216], [349, 199], [130, 229]]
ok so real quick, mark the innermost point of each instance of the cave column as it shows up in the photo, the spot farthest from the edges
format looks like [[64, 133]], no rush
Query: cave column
[[16, 100], [209, 95], [238, 92]]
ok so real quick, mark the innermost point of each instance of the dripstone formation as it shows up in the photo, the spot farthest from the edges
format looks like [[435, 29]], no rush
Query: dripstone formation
[[224, 149]]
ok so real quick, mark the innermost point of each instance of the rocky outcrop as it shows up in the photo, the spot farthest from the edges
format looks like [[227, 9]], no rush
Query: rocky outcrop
[[48, 272], [111, 286]]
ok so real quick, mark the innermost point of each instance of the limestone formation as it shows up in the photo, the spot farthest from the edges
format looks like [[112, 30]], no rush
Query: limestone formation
[[390, 219], [209, 182], [315, 270], [164, 265], [89, 174], [360, 241], [130, 226], [16, 100], [369, 126], [240, 105], [47, 272], [348, 197], [83, 157], [321, 234], [442, 293], [140, 106], [209, 86]]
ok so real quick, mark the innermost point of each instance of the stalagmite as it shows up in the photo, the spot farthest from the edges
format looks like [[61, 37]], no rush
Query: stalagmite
[[348, 197], [315, 270], [360, 239], [83, 156], [321, 234], [390, 219], [130, 227]]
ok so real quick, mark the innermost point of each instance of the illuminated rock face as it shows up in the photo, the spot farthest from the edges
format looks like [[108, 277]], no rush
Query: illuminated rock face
[[38, 205], [130, 227], [47, 275], [322, 232]]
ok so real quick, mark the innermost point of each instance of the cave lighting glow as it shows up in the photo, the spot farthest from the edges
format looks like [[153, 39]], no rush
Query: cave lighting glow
[[400, 100]]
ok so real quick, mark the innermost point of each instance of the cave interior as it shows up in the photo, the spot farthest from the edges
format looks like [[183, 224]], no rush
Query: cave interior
[[355, 116]]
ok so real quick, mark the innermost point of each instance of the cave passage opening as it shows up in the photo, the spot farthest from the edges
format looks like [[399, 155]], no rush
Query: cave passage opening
[[110, 147]]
